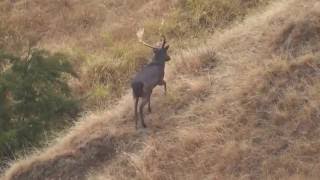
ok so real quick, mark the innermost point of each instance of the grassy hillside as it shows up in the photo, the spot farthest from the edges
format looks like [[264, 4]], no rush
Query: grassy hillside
[[244, 104], [100, 35], [99, 39]]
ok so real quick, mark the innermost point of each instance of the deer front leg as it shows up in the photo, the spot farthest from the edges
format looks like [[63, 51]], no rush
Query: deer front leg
[[149, 106], [136, 100], [149, 102], [163, 83]]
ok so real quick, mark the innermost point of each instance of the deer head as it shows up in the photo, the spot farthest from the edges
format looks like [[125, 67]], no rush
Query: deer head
[[160, 52]]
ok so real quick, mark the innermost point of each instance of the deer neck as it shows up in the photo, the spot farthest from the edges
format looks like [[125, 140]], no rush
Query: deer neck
[[157, 62]]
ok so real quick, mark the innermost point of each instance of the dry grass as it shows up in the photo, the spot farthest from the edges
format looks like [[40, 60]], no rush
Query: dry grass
[[274, 117], [300, 35], [265, 129], [100, 34], [236, 109], [95, 33]]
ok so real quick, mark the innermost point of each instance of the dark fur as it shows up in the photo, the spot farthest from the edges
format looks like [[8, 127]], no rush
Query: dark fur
[[137, 88], [147, 79]]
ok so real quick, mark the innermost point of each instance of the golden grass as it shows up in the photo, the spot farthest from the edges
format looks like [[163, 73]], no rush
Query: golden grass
[[233, 138], [101, 32], [235, 109], [90, 31], [300, 35]]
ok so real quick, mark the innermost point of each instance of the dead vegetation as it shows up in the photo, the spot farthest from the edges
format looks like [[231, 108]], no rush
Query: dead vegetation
[[275, 117], [100, 34], [300, 35], [235, 109]]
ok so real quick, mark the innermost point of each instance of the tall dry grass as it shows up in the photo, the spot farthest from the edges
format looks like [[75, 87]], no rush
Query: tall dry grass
[[100, 35], [263, 125], [237, 108]]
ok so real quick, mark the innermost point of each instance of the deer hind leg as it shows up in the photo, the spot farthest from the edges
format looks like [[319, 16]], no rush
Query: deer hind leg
[[145, 100], [136, 100]]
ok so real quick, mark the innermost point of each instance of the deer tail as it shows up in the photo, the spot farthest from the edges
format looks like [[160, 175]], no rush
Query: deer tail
[[137, 88]]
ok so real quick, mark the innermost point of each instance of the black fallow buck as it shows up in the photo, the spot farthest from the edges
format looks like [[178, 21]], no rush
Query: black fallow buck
[[149, 77]]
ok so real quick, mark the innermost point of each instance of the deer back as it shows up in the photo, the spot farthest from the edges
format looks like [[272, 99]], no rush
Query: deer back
[[150, 75]]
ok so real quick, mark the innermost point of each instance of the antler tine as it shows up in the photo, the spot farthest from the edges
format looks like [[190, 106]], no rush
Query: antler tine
[[140, 36], [164, 41], [148, 45]]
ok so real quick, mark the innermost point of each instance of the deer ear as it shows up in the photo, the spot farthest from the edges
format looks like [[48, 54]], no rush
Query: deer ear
[[167, 47]]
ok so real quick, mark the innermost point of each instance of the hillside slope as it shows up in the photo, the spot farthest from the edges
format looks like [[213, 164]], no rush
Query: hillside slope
[[243, 106]]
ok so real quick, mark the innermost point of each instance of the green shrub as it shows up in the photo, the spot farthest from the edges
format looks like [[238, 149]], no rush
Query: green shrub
[[34, 98]]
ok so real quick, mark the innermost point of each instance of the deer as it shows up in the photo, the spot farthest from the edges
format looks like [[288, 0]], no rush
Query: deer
[[149, 77]]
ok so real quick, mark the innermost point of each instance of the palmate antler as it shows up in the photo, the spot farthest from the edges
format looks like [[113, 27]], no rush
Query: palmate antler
[[140, 38]]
